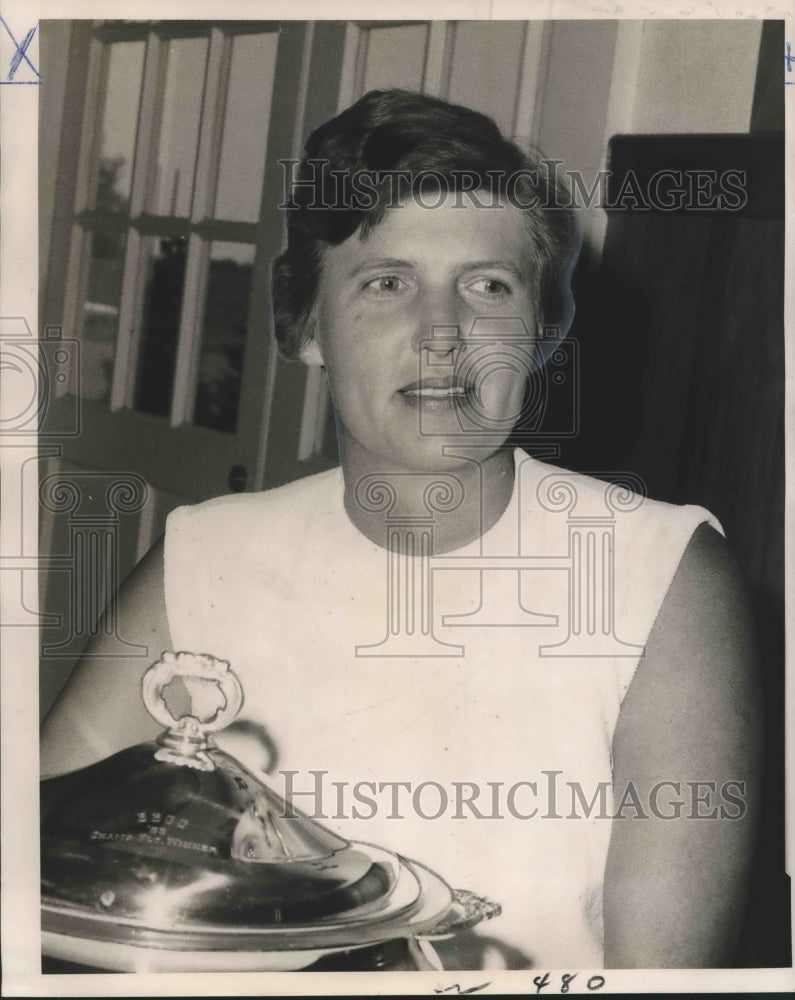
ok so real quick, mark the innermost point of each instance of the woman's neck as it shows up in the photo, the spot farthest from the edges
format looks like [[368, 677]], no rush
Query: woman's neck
[[464, 501]]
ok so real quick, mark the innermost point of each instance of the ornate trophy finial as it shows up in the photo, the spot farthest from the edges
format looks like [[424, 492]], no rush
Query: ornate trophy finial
[[185, 740]]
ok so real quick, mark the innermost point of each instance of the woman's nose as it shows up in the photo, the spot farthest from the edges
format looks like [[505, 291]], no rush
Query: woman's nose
[[439, 322]]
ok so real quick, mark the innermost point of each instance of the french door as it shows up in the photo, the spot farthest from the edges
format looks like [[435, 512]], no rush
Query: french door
[[184, 129]]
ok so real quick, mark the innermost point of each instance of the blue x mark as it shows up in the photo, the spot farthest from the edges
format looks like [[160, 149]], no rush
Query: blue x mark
[[21, 52]]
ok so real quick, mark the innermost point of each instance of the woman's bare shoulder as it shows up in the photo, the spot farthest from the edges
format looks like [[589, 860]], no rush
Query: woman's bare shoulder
[[701, 649]]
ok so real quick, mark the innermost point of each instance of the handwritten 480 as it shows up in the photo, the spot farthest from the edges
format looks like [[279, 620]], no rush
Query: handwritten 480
[[594, 983]]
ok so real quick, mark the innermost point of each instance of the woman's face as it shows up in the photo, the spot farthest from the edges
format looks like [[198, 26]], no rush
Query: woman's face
[[426, 329]]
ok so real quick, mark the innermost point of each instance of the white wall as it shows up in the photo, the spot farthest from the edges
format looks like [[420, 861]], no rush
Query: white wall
[[696, 76], [666, 76]]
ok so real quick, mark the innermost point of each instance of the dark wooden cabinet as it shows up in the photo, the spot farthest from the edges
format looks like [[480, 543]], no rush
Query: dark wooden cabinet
[[680, 335]]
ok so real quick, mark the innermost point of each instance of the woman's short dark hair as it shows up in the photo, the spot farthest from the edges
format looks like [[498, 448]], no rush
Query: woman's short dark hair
[[392, 143]]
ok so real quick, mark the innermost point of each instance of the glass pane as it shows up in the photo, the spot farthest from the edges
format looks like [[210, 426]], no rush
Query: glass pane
[[485, 70], [179, 127], [395, 57], [248, 108], [100, 325], [119, 125], [164, 260], [223, 335]]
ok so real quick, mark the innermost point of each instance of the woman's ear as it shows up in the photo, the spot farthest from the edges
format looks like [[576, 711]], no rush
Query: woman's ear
[[310, 353]]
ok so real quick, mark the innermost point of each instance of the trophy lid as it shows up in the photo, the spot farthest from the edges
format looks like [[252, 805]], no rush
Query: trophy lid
[[174, 851]]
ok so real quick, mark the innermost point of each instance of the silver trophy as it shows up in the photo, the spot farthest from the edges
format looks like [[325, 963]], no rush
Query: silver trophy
[[172, 856]]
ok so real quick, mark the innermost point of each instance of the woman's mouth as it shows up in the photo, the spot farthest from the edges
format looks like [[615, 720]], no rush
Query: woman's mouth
[[435, 392]]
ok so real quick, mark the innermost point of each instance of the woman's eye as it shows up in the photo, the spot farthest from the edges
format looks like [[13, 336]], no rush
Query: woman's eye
[[384, 285], [490, 286]]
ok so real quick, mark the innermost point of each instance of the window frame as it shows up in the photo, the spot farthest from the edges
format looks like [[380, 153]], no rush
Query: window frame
[[174, 454], [200, 228]]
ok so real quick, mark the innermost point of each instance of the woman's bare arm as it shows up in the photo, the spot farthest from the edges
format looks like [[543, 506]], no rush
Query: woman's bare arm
[[100, 709], [675, 887]]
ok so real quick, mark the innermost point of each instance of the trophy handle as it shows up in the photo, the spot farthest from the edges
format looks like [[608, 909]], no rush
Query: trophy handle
[[466, 910], [185, 740]]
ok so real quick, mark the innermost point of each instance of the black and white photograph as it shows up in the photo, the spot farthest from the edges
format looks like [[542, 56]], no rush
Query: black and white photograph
[[393, 462]]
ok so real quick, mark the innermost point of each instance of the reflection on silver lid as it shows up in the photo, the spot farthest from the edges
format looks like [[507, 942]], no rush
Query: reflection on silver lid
[[174, 850]]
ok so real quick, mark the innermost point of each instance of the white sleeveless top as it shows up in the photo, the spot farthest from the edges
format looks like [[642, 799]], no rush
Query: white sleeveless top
[[459, 710]]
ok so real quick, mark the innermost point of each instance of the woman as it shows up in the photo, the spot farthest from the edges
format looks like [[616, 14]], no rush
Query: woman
[[540, 688]]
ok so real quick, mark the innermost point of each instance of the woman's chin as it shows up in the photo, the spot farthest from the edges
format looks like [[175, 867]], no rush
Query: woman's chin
[[426, 454]]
